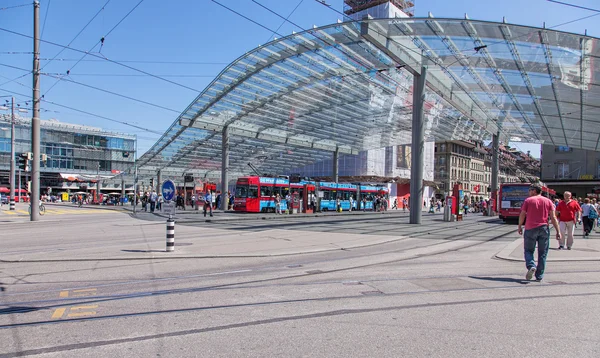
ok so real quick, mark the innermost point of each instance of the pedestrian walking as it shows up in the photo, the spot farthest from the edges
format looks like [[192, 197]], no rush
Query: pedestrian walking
[[588, 215], [278, 204], [569, 213], [404, 204], [537, 209], [395, 205], [208, 203], [153, 200], [160, 202]]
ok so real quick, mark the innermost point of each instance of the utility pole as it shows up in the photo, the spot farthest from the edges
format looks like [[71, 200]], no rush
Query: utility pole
[[12, 154], [35, 120]]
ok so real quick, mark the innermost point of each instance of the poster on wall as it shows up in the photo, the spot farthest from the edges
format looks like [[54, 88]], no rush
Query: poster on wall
[[403, 157]]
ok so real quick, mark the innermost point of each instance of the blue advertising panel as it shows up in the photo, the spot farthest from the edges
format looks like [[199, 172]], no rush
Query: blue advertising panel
[[513, 196]]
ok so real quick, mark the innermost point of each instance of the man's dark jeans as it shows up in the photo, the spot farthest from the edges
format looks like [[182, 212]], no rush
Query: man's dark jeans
[[540, 236]]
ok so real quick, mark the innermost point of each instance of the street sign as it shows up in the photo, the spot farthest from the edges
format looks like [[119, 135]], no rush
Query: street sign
[[168, 208], [168, 190]]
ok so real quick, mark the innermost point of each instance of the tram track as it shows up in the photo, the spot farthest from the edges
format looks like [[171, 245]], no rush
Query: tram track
[[348, 254]]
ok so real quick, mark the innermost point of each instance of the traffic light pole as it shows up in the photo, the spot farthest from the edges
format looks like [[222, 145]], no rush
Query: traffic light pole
[[35, 121], [12, 154]]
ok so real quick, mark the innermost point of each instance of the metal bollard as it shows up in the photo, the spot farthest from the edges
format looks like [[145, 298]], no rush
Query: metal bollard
[[170, 235], [12, 204]]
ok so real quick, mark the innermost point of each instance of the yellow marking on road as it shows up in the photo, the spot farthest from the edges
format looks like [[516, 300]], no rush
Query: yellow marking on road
[[81, 314], [10, 212], [85, 290], [83, 307], [22, 212], [58, 313], [63, 294]]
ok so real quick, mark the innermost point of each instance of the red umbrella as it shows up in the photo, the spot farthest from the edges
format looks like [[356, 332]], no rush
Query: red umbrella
[[4, 189]]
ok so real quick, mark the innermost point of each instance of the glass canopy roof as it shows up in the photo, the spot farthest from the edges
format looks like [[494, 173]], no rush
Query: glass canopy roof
[[293, 101]]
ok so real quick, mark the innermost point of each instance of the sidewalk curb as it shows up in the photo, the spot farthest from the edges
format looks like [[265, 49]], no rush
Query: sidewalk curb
[[505, 254]]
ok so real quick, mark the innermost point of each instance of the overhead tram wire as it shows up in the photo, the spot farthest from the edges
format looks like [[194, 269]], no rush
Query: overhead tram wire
[[87, 113], [573, 5], [100, 42], [45, 18], [76, 36], [114, 93], [105, 59], [287, 18], [98, 89], [15, 6], [141, 61]]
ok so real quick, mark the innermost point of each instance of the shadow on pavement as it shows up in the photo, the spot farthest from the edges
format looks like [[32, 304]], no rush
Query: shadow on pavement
[[501, 279], [18, 309], [143, 250]]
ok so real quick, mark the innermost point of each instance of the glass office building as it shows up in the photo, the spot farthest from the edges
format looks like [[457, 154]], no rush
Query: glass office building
[[77, 155]]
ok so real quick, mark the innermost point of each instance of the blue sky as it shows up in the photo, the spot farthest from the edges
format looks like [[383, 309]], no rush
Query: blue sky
[[188, 42]]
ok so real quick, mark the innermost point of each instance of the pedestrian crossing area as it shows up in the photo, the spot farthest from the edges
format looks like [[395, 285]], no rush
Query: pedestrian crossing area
[[59, 211]]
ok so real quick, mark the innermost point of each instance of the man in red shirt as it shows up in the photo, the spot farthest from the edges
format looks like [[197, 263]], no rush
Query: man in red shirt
[[537, 209], [569, 213]]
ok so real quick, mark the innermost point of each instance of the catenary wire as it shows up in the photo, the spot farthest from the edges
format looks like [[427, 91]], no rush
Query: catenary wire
[[100, 42], [103, 58], [76, 36], [45, 18], [15, 6], [88, 113], [284, 21], [113, 93], [573, 5]]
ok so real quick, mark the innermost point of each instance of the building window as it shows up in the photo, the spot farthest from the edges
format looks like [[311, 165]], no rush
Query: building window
[[562, 170]]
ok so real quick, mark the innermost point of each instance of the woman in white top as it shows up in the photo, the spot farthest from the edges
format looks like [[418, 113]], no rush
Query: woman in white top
[[588, 223]]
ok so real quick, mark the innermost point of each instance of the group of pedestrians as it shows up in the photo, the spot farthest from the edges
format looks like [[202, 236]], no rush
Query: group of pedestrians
[[152, 200], [563, 214]]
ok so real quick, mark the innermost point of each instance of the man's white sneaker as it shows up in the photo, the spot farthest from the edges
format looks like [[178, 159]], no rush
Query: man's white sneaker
[[530, 273]]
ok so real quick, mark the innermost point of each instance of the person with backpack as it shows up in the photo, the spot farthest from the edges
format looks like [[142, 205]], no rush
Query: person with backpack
[[588, 215]]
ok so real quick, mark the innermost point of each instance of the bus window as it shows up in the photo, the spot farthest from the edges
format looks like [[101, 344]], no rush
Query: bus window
[[253, 191], [285, 192]]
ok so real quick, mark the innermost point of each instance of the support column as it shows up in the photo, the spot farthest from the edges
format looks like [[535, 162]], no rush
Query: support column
[[158, 183], [122, 189], [335, 175], [224, 168], [495, 169], [417, 147]]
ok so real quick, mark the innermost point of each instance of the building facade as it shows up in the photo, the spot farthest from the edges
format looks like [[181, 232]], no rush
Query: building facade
[[77, 156], [569, 169], [470, 163]]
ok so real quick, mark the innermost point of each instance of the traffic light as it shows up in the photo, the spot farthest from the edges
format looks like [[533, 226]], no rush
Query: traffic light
[[23, 161], [151, 182]]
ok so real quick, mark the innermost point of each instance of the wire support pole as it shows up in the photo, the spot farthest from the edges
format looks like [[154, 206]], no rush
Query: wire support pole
[[35, 121]]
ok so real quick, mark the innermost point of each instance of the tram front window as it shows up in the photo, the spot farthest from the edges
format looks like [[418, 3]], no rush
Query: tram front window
[[241, 191]]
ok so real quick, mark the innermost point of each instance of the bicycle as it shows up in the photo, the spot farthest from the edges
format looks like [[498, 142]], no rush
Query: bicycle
[[42, 209]]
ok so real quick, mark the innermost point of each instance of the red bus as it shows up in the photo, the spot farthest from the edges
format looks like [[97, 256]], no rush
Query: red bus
[[512, 196]]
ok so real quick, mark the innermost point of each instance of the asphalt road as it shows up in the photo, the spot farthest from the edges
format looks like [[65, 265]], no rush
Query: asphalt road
[[371, 301]]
